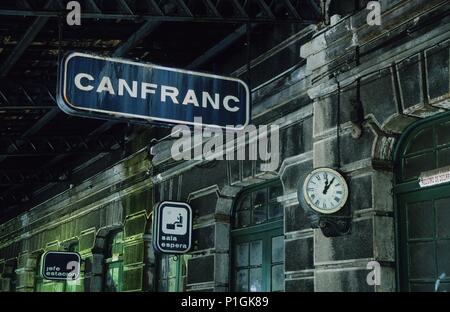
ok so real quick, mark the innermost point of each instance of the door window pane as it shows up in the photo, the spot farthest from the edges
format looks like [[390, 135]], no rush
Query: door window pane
[[414, 166], [259, 206], [421, 260], [278, 277], [421, 141], [275, 191], [245, 203], [444, 157], [277, 249], [255, 279], [241, 257], [242, 218], [443, 133], [275, 210], [259, 198], [420, 220], [443, 217], [259, 214], [443, 257], [256, 253], [241, 280]]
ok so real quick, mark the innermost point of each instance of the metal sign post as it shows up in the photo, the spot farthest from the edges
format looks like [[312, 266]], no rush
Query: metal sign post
[[172, 227], [112, 88]]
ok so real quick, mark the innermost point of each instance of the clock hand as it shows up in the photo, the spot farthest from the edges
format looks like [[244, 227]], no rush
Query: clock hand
[[326, 183], [328, 186], [325, 188]]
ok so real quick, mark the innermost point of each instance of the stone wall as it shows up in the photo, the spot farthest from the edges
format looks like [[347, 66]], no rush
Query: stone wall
[[350, 91], [391, 71], [117, 198]]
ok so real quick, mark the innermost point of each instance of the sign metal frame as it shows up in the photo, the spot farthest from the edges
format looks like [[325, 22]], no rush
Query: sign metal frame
[[72, 109], [51, 278], [157, 215]]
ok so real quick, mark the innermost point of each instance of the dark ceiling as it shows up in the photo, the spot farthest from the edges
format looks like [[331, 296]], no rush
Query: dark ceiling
[[38, 143]]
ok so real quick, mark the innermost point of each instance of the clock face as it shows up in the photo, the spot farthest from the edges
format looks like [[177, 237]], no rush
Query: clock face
[[325, 190]]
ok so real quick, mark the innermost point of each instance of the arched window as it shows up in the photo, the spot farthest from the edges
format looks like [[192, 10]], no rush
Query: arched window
[[423, 209], [114, 263], [425, 148], [258, 240]]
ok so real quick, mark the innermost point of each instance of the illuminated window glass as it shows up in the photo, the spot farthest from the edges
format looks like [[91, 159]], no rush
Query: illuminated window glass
[[76, 285], [172, 273], [114, 263], [38, 279]]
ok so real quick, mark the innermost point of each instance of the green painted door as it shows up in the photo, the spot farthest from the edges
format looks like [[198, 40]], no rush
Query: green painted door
[[259, 261], [258, 240], [423, 214], [424, 232]]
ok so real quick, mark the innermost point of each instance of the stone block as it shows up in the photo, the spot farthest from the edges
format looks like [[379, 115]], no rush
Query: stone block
[[357, 245], [299, 254], [203, 238], [360, 192], [353, 150], [222, 237], [200, 270], [295, 219], [381, 105], [325, 152], [410, 79], [222, 266], [300, 285], [342, 280], [382, 182], [437, 65], [384, 239], [292, 174], [204, 205]]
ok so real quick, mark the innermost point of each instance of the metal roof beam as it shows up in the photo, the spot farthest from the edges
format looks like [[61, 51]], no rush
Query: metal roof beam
[[240, 17], [315, 7], [134, 39], [55, 145], [212, 8], [124, 7], [291, 8], [23, 44], [94, 6]]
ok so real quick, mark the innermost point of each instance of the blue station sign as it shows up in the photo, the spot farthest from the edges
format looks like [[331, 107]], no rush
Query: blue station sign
[[112, 88]]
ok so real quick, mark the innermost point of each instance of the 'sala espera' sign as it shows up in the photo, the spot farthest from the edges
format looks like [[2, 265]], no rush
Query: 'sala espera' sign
[[109, 88], [172, 227]]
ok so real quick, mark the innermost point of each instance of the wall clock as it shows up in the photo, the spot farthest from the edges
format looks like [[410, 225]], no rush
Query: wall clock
[[325, 190]]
